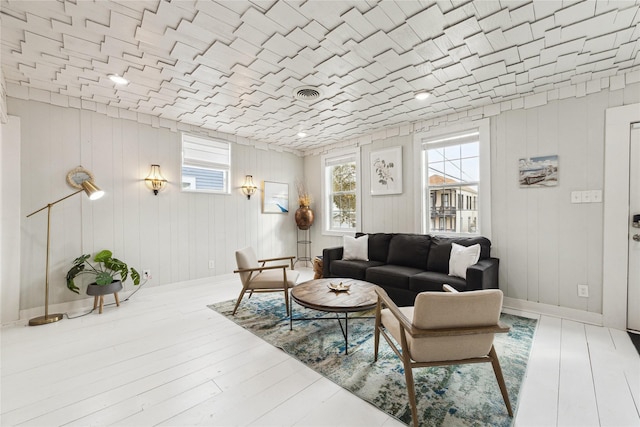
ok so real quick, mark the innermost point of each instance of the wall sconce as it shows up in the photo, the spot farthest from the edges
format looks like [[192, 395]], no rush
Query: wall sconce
[[155, 181], [248, 188]]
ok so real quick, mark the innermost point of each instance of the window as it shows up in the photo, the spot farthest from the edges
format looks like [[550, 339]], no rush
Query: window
[[341, 201], [206, 165], [455, 180]]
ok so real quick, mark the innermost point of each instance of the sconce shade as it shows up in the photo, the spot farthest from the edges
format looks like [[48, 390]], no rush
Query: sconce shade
[[155, 181], [248, 188], [92, 190]]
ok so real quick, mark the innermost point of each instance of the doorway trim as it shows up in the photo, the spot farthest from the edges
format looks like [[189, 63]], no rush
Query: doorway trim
[[618, 122]]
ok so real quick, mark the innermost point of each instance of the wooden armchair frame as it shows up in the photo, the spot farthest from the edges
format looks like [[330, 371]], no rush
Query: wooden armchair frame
[[246, 283], [408, 329]]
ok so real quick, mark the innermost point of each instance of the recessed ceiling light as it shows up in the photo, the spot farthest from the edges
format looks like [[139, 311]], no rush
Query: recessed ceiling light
[[302, 134], [421, 96], [118, 79]]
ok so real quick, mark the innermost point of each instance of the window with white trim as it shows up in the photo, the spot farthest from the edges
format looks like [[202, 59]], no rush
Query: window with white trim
[[341, 192], [206, 165], [455, 181]]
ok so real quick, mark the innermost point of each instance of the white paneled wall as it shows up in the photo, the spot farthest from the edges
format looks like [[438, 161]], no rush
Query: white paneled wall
[[10, 219], [174, 234], [546, 244]]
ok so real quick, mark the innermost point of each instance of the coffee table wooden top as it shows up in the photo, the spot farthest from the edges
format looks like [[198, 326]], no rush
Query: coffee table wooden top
[[315, 294]]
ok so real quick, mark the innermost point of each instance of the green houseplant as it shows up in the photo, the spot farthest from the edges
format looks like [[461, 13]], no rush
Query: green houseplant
[[104, 267]]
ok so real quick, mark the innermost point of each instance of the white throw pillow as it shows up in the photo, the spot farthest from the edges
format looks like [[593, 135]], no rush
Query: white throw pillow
[[462, 257], [356, 249]]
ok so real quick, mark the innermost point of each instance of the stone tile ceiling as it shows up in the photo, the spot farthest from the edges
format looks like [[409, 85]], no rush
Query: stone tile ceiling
[[232, 66]]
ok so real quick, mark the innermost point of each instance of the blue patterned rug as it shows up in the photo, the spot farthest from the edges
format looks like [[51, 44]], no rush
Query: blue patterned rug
[[460, 395]]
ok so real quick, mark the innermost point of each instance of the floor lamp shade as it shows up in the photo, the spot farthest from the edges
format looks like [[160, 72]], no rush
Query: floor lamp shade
[[94, 193], [92, 190]]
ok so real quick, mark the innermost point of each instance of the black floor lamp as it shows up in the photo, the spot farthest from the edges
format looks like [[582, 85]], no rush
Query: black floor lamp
[[78, 178]]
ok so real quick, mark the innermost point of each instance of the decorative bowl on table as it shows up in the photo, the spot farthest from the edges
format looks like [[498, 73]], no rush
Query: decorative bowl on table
[[339, 287]]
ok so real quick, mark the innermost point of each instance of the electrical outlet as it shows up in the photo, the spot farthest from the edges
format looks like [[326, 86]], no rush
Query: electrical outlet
[[146, 274], [583, 291], [212, 264]]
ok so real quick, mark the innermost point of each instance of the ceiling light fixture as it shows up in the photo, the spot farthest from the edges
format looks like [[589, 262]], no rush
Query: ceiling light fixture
[[118, 79], [302, 134], [421, 96]]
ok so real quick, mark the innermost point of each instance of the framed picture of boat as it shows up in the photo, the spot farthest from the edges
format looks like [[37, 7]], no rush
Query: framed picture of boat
[[538, 172]]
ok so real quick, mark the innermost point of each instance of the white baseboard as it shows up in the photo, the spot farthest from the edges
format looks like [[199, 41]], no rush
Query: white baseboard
[[553, 310]]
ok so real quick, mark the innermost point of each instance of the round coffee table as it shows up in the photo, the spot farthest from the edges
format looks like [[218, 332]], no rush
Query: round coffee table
[[316, 295]]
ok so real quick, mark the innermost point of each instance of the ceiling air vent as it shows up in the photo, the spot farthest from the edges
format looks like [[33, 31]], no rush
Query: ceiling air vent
[[306, 93]]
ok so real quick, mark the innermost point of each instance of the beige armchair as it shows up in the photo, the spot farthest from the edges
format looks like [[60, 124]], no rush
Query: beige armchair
[[257, 276], [442, 328]]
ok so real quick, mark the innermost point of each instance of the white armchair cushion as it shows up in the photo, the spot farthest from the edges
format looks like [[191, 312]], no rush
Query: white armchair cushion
[[440, 310], [246, 258], [273, 279], [462, 257], [355, 248]]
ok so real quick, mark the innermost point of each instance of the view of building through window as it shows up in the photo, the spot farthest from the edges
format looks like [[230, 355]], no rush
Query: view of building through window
[[341, 190], [453, 175], [343, 196]]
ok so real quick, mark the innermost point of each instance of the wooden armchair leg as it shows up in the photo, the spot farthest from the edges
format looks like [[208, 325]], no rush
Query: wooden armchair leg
[[411, 390], [376, 336], [238, 302], [286, 300], [498, 371]]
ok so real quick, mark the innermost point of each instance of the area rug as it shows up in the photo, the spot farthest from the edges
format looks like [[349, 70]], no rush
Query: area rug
[[459, 395]]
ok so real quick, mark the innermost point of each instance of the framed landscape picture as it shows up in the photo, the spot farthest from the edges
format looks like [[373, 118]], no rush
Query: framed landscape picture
[[386, 171], [275, 197]]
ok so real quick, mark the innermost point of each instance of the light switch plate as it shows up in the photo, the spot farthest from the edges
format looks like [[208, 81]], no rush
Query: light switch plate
[[586, 196], [576, 197], [596, 196]]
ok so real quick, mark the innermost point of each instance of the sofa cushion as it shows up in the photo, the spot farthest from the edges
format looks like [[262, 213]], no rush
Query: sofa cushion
[[433, 281], [461, 258], [393, 276], [351, 269], [378, 246], [409, 250], [441, 249], [355, 248]]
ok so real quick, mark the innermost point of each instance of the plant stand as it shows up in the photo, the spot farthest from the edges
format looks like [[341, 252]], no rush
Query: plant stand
[[304, 246], [98, 292]]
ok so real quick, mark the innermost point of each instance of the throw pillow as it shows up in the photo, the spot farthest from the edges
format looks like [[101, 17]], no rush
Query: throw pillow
[[355, 248], [462, 257]]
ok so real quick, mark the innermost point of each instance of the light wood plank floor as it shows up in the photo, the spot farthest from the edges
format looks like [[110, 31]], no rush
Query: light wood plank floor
[[164, 358]]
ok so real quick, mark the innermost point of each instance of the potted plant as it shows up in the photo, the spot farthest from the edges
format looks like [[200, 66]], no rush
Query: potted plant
[[109, 273]]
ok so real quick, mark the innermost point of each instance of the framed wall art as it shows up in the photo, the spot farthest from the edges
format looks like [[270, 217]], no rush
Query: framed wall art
[[275, 197], [386, 171], [538, 172]]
